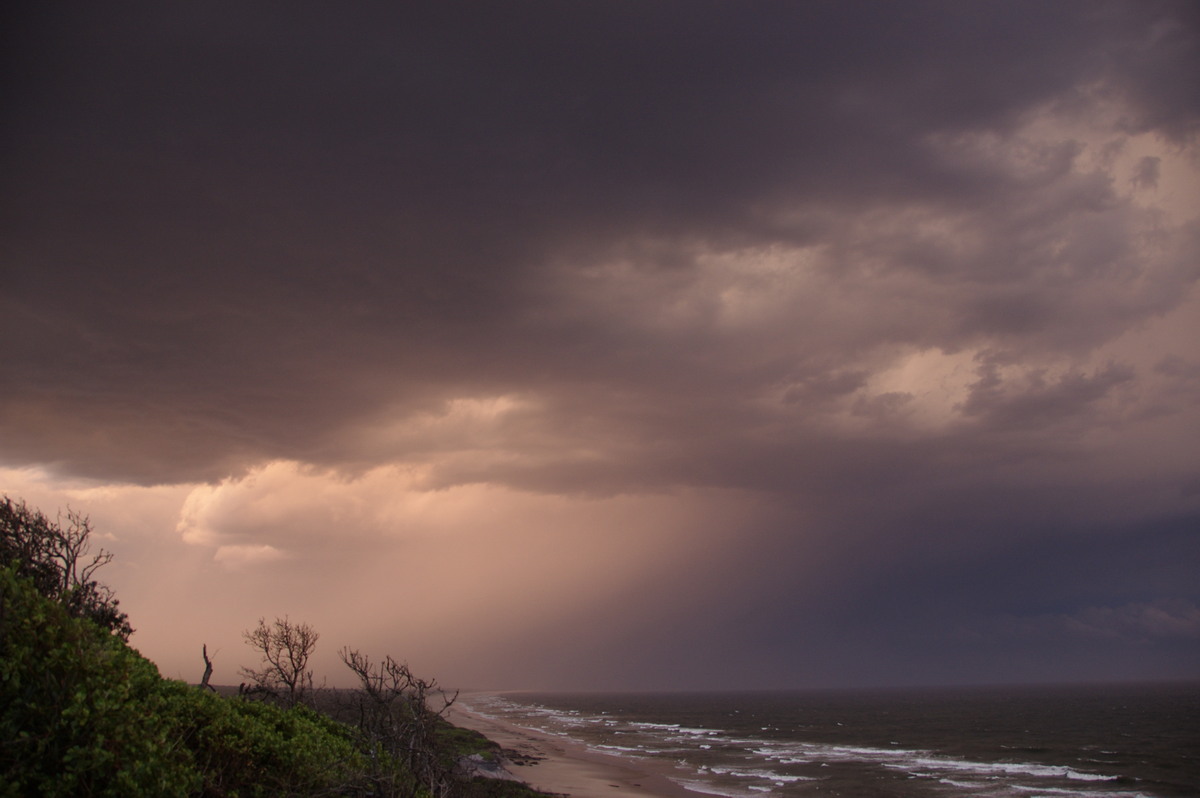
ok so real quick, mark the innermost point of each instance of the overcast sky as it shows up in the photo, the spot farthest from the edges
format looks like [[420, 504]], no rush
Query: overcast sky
[[618, 344]]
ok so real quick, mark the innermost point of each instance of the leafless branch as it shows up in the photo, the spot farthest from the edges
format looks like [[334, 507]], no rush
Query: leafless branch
[[285, 648]]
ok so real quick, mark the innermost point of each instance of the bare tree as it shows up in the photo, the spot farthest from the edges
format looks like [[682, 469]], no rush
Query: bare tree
[[285, 648], [208, 669], [395, 714]]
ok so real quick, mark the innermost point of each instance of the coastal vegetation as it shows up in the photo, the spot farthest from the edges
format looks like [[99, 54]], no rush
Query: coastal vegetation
[[82, 713]]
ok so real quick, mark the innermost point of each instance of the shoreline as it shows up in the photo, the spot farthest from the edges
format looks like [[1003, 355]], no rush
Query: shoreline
[[561, 766]]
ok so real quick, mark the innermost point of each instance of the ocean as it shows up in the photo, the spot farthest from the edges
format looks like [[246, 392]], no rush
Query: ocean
[[1125, 741]]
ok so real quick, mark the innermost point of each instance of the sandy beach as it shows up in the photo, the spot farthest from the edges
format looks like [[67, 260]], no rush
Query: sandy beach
[[556, 765]]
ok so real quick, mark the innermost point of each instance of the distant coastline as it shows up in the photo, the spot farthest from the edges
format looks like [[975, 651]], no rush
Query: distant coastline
[[1124, 740], [561, 766]]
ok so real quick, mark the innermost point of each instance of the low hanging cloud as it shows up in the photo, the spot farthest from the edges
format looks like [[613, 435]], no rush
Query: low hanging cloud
[[535, 556]]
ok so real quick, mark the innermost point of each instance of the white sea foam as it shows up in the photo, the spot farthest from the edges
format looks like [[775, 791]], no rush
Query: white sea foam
[[710, 789], [918, 762], [780, 778], [768, 775], [689, 745], [782, 757], [998, 768], [965, 785], [1037, 792], [622, 748], [801, 753], [675, 728]]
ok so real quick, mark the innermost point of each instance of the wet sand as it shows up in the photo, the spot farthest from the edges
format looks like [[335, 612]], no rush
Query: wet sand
[[557, 765]]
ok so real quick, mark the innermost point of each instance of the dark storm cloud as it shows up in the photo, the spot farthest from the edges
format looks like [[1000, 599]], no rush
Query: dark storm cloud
[[195, 201], [881, 265]]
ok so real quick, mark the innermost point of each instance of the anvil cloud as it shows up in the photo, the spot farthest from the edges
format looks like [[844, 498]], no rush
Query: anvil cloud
[[619, 344]]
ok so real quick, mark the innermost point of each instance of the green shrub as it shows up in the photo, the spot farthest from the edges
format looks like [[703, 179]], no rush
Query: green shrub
[[81, 713], [250, 748]]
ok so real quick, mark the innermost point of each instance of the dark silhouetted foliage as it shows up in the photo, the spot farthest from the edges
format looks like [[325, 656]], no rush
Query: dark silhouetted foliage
[[55, 558], [394, 715]]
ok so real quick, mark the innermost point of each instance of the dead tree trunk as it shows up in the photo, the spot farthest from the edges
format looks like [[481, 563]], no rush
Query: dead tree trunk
[[207, 670]]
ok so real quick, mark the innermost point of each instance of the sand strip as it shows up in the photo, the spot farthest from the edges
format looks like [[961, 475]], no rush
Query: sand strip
[[561, 766]]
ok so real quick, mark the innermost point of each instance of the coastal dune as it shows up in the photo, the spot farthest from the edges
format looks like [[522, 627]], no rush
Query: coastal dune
[[558, 765]]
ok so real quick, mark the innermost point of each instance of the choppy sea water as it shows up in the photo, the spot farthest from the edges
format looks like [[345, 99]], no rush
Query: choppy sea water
[[1123, 741]]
